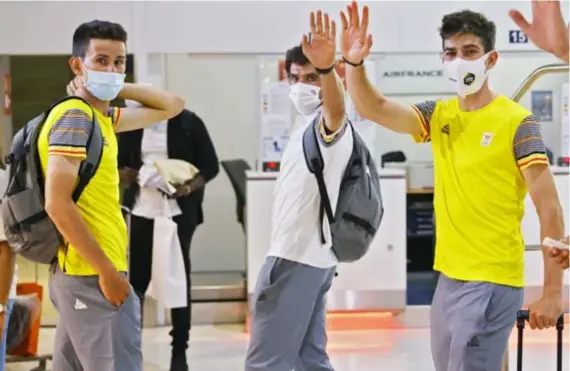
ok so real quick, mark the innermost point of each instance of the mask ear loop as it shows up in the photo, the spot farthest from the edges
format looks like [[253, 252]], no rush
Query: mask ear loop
[[487, 61]]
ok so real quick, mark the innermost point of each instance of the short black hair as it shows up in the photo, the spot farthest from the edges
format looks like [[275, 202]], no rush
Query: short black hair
[[469, 22], [96, 30], [295, 55]]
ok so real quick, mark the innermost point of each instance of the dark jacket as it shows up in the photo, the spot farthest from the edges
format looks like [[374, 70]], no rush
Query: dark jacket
[[188, 140]]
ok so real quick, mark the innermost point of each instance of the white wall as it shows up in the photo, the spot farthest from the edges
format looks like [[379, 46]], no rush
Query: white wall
[[42, 27]]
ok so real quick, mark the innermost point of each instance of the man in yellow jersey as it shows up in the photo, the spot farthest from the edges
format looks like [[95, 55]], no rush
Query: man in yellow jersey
[[488, 151], [100, 326]]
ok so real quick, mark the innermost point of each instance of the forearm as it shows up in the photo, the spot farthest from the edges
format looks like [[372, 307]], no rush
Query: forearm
[[7, 264], [71, 225], [154, 98], [333, 100], [363, 95], [552, 225]]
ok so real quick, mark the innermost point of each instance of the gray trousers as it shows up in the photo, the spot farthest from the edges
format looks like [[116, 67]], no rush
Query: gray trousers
[[471, 323], [288, 323], [92, 334]]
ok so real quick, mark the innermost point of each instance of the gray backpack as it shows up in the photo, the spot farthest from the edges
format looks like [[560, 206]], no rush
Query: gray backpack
[[29, 230], [359, 208]]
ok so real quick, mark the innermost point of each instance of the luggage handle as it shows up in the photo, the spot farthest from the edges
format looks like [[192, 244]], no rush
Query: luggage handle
[[522, 317]]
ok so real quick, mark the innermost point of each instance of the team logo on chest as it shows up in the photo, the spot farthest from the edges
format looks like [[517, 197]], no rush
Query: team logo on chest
[[486, 139]]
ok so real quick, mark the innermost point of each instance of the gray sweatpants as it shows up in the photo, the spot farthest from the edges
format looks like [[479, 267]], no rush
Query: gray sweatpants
[[288, 323], [471, 323], [92, 334]]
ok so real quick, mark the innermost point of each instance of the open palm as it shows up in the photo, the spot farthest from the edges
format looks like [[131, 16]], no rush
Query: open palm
[[320, 49], [355, 40], [547, 30]]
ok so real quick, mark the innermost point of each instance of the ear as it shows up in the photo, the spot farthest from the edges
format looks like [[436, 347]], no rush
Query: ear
[[76, 65], [492, 60]]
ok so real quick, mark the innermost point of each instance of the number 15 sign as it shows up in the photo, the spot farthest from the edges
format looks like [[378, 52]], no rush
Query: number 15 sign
[[517, 37]]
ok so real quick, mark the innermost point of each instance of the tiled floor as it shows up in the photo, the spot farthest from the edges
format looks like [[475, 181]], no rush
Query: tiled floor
[[223, 348]]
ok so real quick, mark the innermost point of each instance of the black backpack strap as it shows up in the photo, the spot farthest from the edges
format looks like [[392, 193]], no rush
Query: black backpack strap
[[315, 164], [94, 150]]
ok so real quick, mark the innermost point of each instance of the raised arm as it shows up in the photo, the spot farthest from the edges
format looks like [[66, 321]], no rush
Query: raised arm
[[320, 49], [368, 101], [156, 105]]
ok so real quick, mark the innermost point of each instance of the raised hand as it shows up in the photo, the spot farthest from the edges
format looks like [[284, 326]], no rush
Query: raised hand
[[320, 49], [355, 40], [547, 30]]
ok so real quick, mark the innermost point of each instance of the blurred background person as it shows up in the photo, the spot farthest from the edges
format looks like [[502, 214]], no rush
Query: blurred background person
[[183, 137]]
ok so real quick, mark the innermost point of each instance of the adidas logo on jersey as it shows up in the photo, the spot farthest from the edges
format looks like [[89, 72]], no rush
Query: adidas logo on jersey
[[79, 305]]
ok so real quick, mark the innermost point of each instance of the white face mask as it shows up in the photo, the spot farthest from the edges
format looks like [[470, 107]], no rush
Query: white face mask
[[305, 98], [468, 76]]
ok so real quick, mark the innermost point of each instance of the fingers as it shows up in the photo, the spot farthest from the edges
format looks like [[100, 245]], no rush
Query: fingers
[[364, 25], [355, 17], [562, 258], [349, 12], [327, 26], [519, 20], [313, 23], [343, 20], [368, 44], [305, 44], [541, 321], [332, 35], [319, 22]]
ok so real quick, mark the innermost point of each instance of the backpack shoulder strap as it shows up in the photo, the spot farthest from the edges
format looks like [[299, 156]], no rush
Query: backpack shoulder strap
[[94, 150], [316, 165]]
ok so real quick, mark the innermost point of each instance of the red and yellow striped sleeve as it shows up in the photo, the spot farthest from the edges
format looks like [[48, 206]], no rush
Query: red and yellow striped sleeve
[[528, 146], [116, 115], [424, 112], [68, 136]]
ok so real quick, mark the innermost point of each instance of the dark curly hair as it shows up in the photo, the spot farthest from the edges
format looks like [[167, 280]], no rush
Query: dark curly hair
[[469, 22], [96, 30], [295, 55]]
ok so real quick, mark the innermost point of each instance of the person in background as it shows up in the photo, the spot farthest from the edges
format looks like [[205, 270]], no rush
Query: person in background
[[8, 280], [549, 32], [183, 137], [488, 153], [89, 287], [288, 307]]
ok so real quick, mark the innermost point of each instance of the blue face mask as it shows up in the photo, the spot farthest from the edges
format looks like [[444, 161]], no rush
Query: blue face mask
[[104, 86]]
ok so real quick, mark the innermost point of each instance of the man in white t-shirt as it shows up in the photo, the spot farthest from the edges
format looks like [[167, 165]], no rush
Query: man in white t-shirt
[[7, 280], [288, 307]]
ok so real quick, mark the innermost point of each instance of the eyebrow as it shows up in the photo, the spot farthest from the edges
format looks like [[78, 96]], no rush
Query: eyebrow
[[106, 56]]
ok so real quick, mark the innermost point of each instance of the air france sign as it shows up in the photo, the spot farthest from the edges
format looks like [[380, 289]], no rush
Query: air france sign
[[413, 74]]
